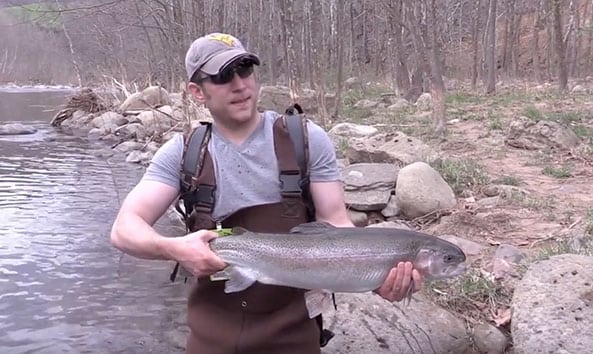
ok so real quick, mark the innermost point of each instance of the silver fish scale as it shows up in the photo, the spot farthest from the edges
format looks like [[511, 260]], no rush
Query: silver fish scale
[[336, 259]]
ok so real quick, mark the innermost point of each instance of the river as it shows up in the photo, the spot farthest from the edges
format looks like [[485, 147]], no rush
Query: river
[[63, 288]]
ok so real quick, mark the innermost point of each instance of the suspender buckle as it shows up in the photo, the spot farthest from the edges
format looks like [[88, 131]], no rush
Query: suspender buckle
[[290, 183]]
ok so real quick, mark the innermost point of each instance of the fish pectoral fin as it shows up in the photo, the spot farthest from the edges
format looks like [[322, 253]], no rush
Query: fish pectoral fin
[[311, 227], [317, 301], [239, 279]]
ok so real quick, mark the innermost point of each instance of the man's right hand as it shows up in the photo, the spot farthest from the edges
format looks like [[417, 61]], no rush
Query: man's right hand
[[193, 252]]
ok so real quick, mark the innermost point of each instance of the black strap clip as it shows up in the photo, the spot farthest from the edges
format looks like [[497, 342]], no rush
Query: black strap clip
[[290, 183]]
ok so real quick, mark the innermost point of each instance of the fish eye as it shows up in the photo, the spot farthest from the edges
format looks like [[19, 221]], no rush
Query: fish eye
[[448, 258]]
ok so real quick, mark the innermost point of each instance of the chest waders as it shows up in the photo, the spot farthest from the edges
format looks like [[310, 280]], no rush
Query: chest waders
[[263, 318]]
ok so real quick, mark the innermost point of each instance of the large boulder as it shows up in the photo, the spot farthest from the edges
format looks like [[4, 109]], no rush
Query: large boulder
[[366, 323], [157, 121], [524, 133], [553, 306], [368, 186], [150, 97], [420, 190], [397, 148]]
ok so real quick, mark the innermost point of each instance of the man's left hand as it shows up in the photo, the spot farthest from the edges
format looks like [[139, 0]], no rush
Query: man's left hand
[[398, 281]]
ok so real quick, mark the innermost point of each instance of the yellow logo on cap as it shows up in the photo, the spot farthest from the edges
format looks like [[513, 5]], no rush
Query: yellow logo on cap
[[224, 38]]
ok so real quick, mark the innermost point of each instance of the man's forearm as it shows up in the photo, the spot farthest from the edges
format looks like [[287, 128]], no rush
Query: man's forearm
[[132, 235]]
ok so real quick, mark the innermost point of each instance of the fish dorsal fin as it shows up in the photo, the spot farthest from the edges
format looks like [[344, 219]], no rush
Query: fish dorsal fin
[[238, 230], [311, 227]]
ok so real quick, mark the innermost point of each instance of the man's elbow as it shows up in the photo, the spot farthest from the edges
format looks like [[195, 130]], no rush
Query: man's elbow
[[115, 238]]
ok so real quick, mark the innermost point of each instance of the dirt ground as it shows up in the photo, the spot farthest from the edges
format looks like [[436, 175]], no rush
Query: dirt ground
[[544, 198]]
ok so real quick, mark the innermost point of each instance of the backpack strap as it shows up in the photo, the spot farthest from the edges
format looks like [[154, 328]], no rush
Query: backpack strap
[[196, 189], [296, 124]]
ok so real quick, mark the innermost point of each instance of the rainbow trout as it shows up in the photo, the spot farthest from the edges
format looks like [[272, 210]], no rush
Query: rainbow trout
[[320, 257]]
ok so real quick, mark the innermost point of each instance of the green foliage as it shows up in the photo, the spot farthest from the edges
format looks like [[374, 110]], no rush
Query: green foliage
[[495, 121], [474, 295], [564, 117], [461, 174], [557, 172], [589, 222], [459, 97], [533, 113], [508, 181]]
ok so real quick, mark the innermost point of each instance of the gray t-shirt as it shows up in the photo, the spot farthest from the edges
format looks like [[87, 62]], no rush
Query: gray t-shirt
[[246, 175]]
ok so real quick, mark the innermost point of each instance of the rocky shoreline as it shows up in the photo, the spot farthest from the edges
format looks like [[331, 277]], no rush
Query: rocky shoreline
[[381, 173]]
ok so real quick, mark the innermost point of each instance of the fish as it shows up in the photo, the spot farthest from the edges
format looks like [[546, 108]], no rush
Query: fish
[[324, 259]]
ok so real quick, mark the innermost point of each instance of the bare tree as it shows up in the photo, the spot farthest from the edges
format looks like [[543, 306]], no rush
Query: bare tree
[[491, 45], [559, 46]]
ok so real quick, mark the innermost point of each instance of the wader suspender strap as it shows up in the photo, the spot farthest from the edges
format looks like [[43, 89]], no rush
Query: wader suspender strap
[[196, 192], [290, 173], [197, 189]]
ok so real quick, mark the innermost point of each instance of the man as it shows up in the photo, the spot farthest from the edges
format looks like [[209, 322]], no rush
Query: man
[[262, 318]]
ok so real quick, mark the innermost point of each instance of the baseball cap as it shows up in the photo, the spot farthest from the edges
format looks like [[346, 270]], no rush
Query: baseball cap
[[213, 52]]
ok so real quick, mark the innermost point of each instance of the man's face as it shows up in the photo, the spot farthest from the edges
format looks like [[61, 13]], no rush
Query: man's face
[[231, 96]]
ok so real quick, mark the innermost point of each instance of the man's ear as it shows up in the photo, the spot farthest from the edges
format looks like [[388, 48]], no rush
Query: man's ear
[[197, 92]]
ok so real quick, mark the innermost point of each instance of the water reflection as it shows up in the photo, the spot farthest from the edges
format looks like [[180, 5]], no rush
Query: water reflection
[[63, 288]]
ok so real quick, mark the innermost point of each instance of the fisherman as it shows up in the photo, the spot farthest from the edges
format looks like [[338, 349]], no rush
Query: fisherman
[[263, 318]]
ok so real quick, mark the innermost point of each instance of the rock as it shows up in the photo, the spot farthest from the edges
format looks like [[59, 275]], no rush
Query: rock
[[368, 186], [133, 131], [399, 104], [524, 133], [109, 119], [391, 224], [391, 209], [352, 130], [367, 200], [150, 97], [366, 104], [424, 102], [489, 339], [505, 259], [434, 193], [277, 98], [397, 148], [553, 306], [94, 134], [128, 146], [368, 176], [366, 323], [470, 248], [16, 129], [140, 157], [352, 82], [358, 218], [157, 121], [489, 202]]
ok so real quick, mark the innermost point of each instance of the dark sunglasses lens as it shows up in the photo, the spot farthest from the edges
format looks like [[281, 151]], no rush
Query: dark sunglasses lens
[[244, 69], [223, 78]]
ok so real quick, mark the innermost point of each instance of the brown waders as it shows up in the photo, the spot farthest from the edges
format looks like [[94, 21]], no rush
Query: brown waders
[[262, 319]]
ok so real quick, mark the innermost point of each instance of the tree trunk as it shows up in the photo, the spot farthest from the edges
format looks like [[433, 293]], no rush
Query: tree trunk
[[491, 58], [475, 39], [436, 74], [340, 61], [537, 25], [559, 46]]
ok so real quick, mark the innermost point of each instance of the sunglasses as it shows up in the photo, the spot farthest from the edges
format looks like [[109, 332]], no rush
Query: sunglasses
[[243, 68]]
